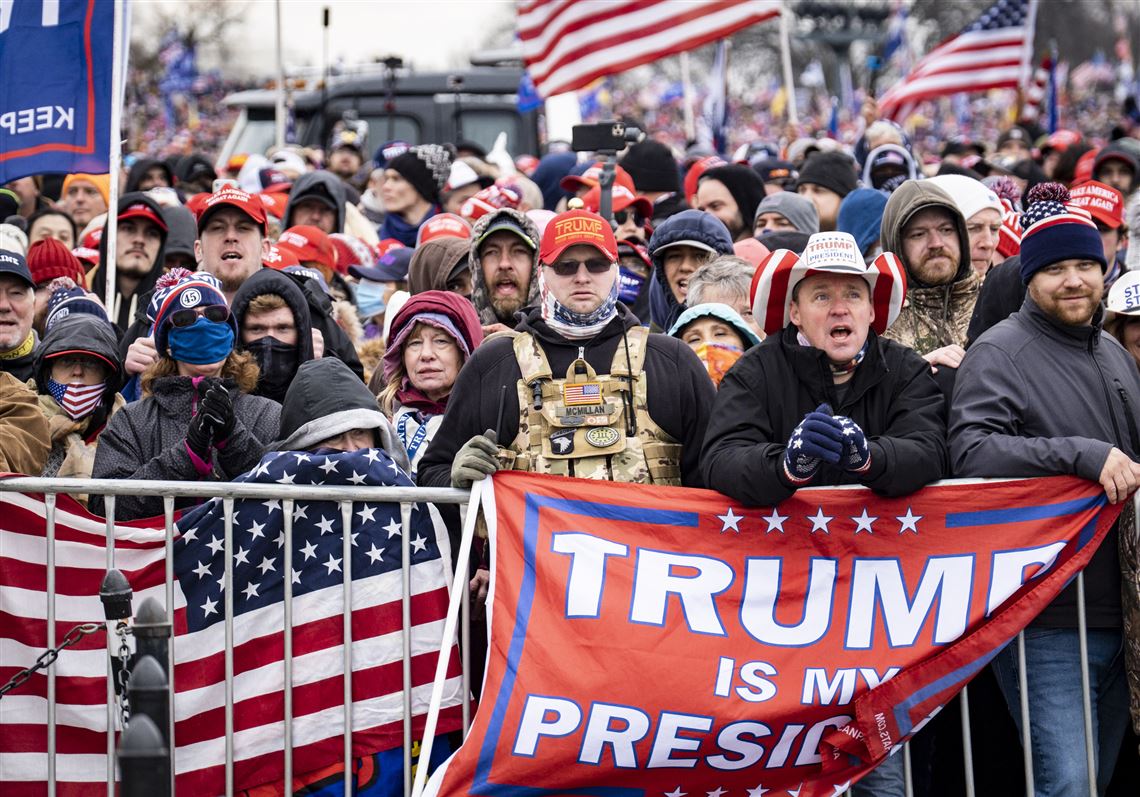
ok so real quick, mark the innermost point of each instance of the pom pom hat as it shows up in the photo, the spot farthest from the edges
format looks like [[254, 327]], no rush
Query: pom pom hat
[[1056, 230], [834, 253]]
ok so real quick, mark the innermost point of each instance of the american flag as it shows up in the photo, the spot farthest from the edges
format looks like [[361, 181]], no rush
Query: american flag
[[77, 399], [993, 52], [568, 45], [258, 586], [588, 393]]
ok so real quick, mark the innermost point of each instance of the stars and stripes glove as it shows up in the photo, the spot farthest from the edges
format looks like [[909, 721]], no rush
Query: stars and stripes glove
[[856, 452], [817, 439]]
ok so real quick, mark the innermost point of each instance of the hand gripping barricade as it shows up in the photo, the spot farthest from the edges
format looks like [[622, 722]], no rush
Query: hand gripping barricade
[[590, 426]]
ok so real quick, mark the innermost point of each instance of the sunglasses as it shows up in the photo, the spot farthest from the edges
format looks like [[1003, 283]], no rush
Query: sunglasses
[[622, 216], [568, 268], [217, 313]]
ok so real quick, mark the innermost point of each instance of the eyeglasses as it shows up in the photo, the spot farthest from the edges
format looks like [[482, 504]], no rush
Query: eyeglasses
[[185, 317], [622, 216], [568, 268], [88, 364]]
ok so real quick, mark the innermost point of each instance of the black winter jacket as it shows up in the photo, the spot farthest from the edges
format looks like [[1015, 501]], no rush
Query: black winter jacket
[[892, 396], [679, 390], [147, 440]]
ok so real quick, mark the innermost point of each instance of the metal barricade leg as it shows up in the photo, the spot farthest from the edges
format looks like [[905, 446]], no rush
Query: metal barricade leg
[[908, 771], [406, 609], [49, 505], [168, 517], [346, 598], [967, 742], [1026, 733], [287, 638], [1086, 696], [109, 507], [228, 596]]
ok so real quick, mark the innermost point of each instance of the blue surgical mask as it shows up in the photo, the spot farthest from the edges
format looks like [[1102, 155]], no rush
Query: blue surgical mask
[[201, 343], [370, 298]]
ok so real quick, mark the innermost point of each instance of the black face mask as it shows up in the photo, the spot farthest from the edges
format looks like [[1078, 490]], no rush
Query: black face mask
[[278, 364]]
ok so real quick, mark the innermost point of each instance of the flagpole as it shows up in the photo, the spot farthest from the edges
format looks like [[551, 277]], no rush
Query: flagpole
[[115, 159], [280, 112], [687, 98], [786, 57]]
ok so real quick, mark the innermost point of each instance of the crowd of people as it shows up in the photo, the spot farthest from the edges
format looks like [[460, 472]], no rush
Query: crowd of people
[[802, 314]]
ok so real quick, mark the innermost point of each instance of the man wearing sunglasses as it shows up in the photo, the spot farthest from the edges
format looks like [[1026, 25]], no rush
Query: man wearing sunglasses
[[589, 392]]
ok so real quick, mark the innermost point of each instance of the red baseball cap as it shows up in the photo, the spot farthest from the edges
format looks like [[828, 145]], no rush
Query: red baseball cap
[[622, 197], [309, 245], [577, 227], [693, 176], [279, 259], [141, 210], [249, 204], [593, 176], [443, 225], [1104, 202]]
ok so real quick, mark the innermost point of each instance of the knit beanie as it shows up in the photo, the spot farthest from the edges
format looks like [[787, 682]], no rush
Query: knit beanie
[[174, 292], [48, 259], [426, 167], [744, 184], [652, 167], [1056, 231], [861, 214], [800, 211], [67, 299], [13, 239], [834, 171], [102, 183]]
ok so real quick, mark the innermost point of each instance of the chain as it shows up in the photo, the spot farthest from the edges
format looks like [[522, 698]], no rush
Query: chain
[[124, 671], [48, 657]]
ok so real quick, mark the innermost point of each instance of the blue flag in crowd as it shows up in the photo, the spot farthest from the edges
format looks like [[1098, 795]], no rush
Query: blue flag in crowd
[[55, 110]]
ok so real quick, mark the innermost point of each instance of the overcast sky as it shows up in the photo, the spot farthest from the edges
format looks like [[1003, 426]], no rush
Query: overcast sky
[[430, 34]]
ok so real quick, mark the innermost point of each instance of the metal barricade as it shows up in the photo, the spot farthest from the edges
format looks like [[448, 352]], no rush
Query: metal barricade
[[345, 498], [288, 495]]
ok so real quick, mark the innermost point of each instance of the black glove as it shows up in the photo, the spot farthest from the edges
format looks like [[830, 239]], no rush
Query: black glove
[[199, 436], [218, 406]]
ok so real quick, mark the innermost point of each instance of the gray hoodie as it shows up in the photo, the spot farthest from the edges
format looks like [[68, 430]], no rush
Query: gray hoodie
[[318, 183]]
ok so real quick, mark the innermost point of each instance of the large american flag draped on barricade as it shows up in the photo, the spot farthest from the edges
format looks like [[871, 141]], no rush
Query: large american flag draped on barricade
[[199, 675], [993, 52], [55, 110], [568, 44], [649, 640]]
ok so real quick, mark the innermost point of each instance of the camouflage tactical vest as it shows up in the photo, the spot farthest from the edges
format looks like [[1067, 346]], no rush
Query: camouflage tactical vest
[[590, 426]]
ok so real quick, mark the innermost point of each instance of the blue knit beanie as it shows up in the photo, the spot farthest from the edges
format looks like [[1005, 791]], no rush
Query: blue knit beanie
[[1056, 231]]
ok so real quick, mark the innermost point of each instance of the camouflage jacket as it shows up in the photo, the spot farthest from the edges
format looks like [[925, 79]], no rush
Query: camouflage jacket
[[936, 317]]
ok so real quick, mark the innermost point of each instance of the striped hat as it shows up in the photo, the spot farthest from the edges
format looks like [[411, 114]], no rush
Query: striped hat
[[198, 289], [1055, 230], [833, 252]]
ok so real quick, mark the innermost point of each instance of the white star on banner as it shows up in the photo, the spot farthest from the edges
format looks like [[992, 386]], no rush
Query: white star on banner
[[241, 557], [266, 565], [367, 513], [676, 793], [296, 576], [730, 521], [909, 521], [357, 478], [863, 522], [395, 468], [262, 468], [419, 543], [256, 529], [286, 478], [216, 545], [332, 564], [190, 535], [819, 521], [393, 528], [325, 525], [759, 791], [209, 607], [373, 456], [775, 521], [717, 792], [300, 511], [202, 569], [301, 457], [310, 551], [375, 554], [329, 465], [250, 590], [840, 788], [272, 506], [796, 791], [280, 539]]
